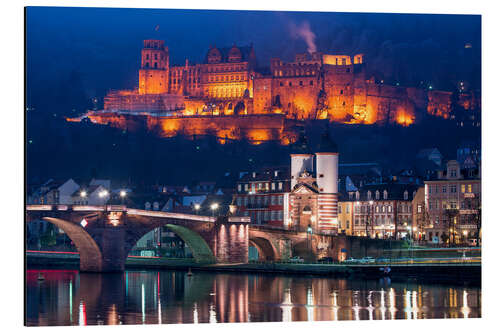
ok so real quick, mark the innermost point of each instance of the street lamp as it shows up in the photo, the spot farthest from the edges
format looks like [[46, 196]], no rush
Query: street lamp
[[83, 194], [214, 207], [197, 207], [123, 194], [309, 234]]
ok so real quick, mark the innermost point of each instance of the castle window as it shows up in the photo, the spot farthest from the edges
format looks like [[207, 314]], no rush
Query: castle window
[[311, 83], [290, 83], [281, 84], [341, 91], [300, 83], [348, 70], [156, 57], [147, 56]]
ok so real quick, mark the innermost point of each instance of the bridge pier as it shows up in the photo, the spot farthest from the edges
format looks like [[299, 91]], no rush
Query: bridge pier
[[231, 240], [111, 241]]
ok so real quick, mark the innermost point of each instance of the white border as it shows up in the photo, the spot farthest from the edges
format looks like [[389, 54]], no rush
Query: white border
[[12, 144]]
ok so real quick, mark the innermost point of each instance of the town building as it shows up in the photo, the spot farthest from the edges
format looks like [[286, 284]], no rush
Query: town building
[[453, 202], [263, 195], [378, 211], [54, 192]]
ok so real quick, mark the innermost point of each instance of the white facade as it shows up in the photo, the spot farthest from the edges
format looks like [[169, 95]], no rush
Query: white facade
[[300, 163], [327, 166], [66, 190]]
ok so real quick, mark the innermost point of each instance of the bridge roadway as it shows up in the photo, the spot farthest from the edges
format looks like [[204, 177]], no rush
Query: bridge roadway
[[104, 236]]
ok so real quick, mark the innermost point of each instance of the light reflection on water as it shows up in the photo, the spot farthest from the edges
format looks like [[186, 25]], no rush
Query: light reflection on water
[[68, 297]]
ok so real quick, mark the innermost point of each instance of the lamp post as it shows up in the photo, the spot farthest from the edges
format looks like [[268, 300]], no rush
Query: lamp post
[[214, 207], [123, 194], [197, 207], [103, 194], [309, 234], [83, 195]]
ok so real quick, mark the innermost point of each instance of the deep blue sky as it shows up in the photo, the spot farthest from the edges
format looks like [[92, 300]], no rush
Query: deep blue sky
[[101, 47]]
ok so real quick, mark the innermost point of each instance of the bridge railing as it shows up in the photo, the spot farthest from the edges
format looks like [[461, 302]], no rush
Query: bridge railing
[[151, 213]]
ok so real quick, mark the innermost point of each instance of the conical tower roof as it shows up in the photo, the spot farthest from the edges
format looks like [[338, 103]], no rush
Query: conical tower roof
[[327, 145], [301, 146]]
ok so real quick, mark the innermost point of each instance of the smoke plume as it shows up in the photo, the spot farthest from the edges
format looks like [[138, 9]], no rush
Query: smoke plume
[[304, 31]]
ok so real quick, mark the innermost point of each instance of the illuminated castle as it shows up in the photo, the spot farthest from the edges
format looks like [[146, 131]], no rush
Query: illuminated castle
[[313, 86]]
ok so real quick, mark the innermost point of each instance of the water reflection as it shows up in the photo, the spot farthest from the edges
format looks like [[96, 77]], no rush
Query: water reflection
[[68, 297]]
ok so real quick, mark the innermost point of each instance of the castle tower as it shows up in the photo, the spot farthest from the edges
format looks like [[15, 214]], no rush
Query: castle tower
[[327, 164], [301, 159], [153, 75]]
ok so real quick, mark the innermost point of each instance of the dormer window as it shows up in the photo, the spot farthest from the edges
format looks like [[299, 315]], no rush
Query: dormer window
[[253, 174], [405, 195], [357, 195], [377, 195], [369, 195], [453, 173], [385, 194]]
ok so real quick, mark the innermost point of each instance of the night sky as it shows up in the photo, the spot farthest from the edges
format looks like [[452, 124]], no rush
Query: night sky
[[83, 52]]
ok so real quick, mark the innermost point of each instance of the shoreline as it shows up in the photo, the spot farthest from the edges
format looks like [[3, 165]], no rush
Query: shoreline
[[468, 274]]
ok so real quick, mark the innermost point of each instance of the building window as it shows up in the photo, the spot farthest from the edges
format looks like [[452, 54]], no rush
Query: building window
[[369, 194], [389, 209], [463, 188], [246, 187], [239, 187], [280, 186], [405, 195], [385, 195], [469, 188], [340, 209], [377, 195], [453, 173], [453, 188], [444, 188], [311, 83], [347, 208]]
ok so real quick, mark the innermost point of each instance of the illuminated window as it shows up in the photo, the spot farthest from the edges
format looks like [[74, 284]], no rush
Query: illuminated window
[[469, 188], [280, 186], [463, 188]]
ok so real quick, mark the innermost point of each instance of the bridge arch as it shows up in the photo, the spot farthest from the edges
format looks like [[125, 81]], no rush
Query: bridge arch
[[91, 258], [264, 247], [200, 249]]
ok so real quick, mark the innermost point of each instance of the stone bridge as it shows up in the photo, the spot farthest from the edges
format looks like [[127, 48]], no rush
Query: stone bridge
[[277, 244], [104, 235]]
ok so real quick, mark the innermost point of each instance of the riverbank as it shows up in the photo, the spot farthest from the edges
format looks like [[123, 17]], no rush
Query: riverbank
[[469, 274]]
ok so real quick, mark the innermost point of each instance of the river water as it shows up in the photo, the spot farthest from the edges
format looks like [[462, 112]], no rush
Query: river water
[[67, 297]]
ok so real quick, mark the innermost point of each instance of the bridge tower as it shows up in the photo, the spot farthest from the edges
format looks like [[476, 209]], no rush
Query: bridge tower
[[327, 165], [301, 159]]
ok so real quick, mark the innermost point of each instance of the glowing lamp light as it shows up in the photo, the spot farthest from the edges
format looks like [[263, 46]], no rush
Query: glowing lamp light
[[197, 206], [123, 193], [84, 223], [103, 194], [214, 206], [83, 194], [371, 202]]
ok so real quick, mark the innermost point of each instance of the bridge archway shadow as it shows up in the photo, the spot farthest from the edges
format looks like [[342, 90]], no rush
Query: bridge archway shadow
[[265, 248], [304, 250], [198, 246], [91, 258]]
